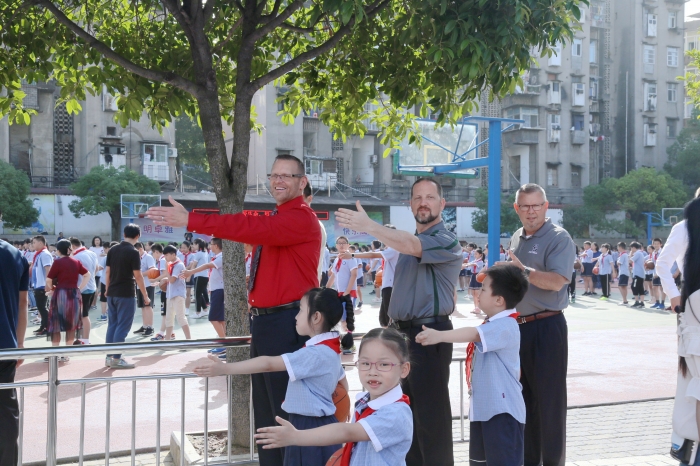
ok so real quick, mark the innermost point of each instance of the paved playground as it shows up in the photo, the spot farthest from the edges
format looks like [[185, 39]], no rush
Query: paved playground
[[616, 355]]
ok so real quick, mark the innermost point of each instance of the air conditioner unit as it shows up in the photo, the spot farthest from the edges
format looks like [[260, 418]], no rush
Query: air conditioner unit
[[373, 159], [172, 152]]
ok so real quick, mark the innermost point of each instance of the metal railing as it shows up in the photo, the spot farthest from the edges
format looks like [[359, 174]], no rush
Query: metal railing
[[53, 381]]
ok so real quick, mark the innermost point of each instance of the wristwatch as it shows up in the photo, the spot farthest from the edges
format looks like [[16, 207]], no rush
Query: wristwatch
[[353, 255], [527, 271]]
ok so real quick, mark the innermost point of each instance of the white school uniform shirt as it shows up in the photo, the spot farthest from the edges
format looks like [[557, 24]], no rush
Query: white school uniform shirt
[[43, 259], [654, 257], [587, 256], [390, 431], [342, 276], [605, 264], [624, 262], [178, 287], [391, 257], [314, 372], [360, 268], [216, 279], [147, 262], [89, 261], [98, 250], [477, 267], [102, 262], [202, 258], [674, 251]]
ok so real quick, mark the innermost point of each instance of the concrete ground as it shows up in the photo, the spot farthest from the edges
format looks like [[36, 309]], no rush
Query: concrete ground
[[616, 355]]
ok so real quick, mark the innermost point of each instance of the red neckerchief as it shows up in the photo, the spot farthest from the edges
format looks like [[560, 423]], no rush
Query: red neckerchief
[[31, 266], [78, 251], [185, 256], [171, 266], [338, 263], [332, 343], [471, 348], [347, 449]]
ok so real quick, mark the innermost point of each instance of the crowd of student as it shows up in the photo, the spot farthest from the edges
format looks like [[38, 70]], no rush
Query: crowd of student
[[633, 269]]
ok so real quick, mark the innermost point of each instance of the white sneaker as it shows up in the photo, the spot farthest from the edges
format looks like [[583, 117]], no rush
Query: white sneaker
[[121, 364], [199, 316]]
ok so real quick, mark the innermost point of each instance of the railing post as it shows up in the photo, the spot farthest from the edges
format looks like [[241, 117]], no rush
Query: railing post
[[52, 402]]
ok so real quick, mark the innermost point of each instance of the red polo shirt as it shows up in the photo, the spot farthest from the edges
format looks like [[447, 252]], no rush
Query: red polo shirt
[[289, 259]]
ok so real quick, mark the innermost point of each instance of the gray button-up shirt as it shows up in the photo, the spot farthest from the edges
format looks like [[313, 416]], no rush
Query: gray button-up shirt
[[425, 286], [550, 249]]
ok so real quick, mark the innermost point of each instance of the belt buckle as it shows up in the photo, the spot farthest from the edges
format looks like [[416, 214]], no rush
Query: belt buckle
[[521, 319], [254, 311]]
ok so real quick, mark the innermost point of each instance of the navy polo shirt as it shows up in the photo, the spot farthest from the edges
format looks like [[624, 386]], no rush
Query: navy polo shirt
[[14, 277]]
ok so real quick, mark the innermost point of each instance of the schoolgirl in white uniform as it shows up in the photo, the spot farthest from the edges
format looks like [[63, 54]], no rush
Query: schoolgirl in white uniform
[[382, 430], [314, 372], [474, 286]]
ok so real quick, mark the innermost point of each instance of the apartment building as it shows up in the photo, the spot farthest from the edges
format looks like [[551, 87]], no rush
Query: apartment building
[[56, 148]]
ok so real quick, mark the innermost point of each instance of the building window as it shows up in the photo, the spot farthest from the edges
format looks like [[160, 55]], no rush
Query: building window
[[593, 89], [155, 153], [577, 48], [554, 120], [552, 176], [672, 56], [671, 128], [672, 92], [672, 19], [111, 131], [577, 122], [649, 97], [651, 25], [692, 45], [649, 55], [578, 91], [529, 114], [554, 93], [555, 59], [575, 177], [593, 51]]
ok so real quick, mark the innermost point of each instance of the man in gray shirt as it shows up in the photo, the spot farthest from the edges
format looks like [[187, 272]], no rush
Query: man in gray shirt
[[546, 253], [423, 294]]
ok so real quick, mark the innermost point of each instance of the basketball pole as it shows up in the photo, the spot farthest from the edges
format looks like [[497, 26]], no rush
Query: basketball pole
[[494, 190]]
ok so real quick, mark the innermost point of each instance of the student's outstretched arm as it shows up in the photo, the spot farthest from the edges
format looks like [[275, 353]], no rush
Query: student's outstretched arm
[[285, 434], [251, 366], [431, 336]]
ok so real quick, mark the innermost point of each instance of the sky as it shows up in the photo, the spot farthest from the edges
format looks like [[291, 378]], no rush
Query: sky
[[693, 6]]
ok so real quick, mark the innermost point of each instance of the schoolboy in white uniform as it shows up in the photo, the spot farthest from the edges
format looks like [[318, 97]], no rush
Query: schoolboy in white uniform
[[147, 263], [175, 293], [623, 263], [637, 263]]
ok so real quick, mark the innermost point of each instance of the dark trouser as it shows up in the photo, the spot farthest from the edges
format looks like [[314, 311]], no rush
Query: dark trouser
[[427, 386], [384, 307], [200, 293], [605, 285], [324, 279], [544, 353], [9, 416], [273, 335], [120, 312], [496, 442], [572, 286], [40, 297]]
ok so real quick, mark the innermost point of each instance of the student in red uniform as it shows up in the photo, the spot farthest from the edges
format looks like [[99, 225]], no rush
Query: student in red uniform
[[289, 241]]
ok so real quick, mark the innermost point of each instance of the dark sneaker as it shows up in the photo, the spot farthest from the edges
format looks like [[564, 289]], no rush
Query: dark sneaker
[[141, 330], [148, 332]]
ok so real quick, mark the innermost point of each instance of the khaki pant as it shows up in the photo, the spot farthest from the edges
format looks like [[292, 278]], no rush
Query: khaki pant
[[175, 307]]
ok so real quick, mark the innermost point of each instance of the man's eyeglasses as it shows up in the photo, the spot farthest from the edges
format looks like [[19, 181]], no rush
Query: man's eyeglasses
[[283, 177], [341, 242], [534, 207], [381, 366]]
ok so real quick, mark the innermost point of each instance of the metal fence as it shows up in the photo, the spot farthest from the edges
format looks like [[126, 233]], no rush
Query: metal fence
[[53, 381]]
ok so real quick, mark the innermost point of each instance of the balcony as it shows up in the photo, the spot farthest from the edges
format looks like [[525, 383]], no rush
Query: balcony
[[311, 124], [522, 136], [157, 171], [578, 137], [523, 99]]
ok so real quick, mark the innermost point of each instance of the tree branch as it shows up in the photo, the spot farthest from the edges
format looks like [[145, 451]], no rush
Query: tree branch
[[275, 22], [184, 21], [294, 28], [153, 75], [273, 13], [219, 47], [327, 46]]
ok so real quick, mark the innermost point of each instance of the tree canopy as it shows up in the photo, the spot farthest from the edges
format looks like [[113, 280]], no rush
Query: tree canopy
[[684, 156], [16, 207], [100, 191]]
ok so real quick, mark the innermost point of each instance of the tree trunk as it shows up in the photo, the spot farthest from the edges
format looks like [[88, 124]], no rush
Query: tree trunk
[[230, 186], [116, 221]]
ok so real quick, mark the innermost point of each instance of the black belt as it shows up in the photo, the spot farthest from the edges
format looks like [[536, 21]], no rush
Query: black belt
[[261, 311], [404, 324], [540, 315]]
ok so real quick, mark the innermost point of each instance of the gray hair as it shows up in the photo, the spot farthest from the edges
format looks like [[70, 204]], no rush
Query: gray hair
[[530, 188]]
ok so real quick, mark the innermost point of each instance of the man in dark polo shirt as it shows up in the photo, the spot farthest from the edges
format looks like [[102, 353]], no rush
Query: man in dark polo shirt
[[546, 253], [284, 267], [14, 283], [122, 273], [423, 294]]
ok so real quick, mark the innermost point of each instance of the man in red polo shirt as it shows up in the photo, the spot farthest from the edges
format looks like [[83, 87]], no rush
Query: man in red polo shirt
[[288, 241]]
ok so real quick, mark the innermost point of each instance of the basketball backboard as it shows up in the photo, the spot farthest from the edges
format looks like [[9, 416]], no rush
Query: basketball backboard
[[671, 216], [136, 205], [439, 146]]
